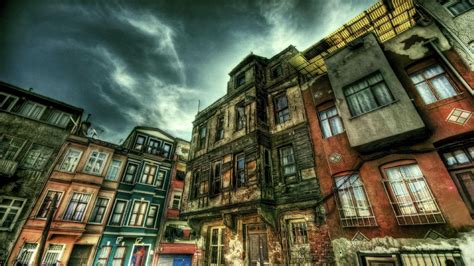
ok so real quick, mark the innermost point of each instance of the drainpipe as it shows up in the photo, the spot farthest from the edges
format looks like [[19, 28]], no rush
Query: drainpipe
[[438, 51]]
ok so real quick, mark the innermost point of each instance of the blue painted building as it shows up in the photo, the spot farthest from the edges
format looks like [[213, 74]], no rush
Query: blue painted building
[[133, 224]]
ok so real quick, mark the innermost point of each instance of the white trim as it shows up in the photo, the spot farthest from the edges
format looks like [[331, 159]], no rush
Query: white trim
[[131, 213], [6, 98], [101, 170], [60, 254], [9, 208], [77, 162], [156, 215]]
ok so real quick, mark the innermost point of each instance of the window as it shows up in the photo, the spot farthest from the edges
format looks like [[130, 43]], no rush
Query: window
[[153, 146], [239, 175], [220, 128], [151, 216], [32, 110], [96, 162], [70, 160], [196, 185], [130, 173], [59, 118], [216, 178], [282, 112], [166, 150], [457, 7], [113, 171], [10, 210], [53, 255], [99, 210], [47, 201], [240, 80], [433, 84], [119, 256], [202, 136], [459, 156], [267, 167], [139, 143], [27, 254], [176, 203], [368, 94], [77, 207], [277, 71], [37, 157], [148, 176], [7, 101], [160, 180], [287, 160], [354, 208], [298, 233], [104, 255], [138, 213], [410, 196], [216, 244], [240, 116], [118, 212], [10, 147], [330, 122]]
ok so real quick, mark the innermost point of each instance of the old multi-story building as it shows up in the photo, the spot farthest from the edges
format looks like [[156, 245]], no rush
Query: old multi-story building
[[389, 111], [32, 131], [176, 243], [251, 190], [133, 225], [84, 182]]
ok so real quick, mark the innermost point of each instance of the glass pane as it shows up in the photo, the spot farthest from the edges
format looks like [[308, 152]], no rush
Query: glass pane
[[382, 93], [443, 87], [326, 128], [461, 156], [425, 93], [449, 158], [366, 100], [432, 71]]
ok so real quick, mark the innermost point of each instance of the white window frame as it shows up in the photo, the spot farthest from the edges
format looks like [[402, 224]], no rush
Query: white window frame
[[327, 120], [91, 171], [34, 165], [101, 259], [154, 218], [75, 208], [60, 253], [138, 213], [9, 209], [220, 245], [30, 112], [58, 121], [122, 259], [73, 164], [10, 143], [5, 100], [164, 178], [108, 176], [178, 193], [141, 181], [123, 213], [23, 250]]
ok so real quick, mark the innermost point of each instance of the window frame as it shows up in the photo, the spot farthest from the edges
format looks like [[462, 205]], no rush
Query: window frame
[[238, 171], [328, 118], [60, 253], [37, 158], [122, 214], [282, 165], [23, 250], [147, 216], [370, 89], [274, 76], [155, 149], [41, 208], [240, 118], [412, 204], [215, 179], [282, 115], [145, 141], [133, 175], [148, 175], [167, 153], [19, 148], [9, 209], [104, 260], [78, 159], [219, 128], [220, 245], [451, 3], [7, 96], [240, 79], [123, 255], [30, 112], [117, 174], [196, 185], [202, 139], [74, 212], [292, 239], [137, 214], [101, 170], [92, 219], [158, 179], [179, 194]]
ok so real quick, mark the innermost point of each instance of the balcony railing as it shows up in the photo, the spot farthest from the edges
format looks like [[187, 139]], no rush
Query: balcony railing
[[8, 167]]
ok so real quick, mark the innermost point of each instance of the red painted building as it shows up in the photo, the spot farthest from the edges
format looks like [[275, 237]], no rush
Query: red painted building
[[393, 140]]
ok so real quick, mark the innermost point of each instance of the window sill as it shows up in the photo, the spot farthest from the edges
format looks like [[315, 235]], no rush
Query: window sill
[[446, 101], [373, 110], [335, 135]]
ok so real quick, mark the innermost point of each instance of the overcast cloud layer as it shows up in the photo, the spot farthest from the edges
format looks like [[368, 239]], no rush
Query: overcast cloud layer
[[149, 62]]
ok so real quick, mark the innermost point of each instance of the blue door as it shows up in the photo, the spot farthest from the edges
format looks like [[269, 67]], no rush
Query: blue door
[[182, 261]]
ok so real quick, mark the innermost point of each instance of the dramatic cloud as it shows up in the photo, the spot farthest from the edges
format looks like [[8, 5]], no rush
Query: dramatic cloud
[[149, 62]]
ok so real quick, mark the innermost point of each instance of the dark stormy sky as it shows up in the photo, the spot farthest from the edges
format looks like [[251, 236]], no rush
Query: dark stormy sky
[[149, 62]]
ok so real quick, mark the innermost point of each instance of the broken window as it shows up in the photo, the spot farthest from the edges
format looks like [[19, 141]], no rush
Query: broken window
[[287, 161], [239, 175], [282, 112], [354, 208], [220, 128], [410, 196], [37, 157], [129, 174], [331, 122], [216, 246], [240, 116], [202, 136], [458, 7], [240, 80], [138, 213], [216, 178], [368, 94], [277, 71], [96, 162], [77, 207], [433, 84], [47, 201], [70, 160], [10, 147]]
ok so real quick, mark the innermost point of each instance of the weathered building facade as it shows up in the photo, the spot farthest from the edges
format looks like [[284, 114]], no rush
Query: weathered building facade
[[392, 133], [133, 225], [32, 131], [176, 243], [251, 189], [84, 181]]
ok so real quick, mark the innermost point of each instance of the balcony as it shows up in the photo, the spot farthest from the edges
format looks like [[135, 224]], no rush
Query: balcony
[[8, 167]]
